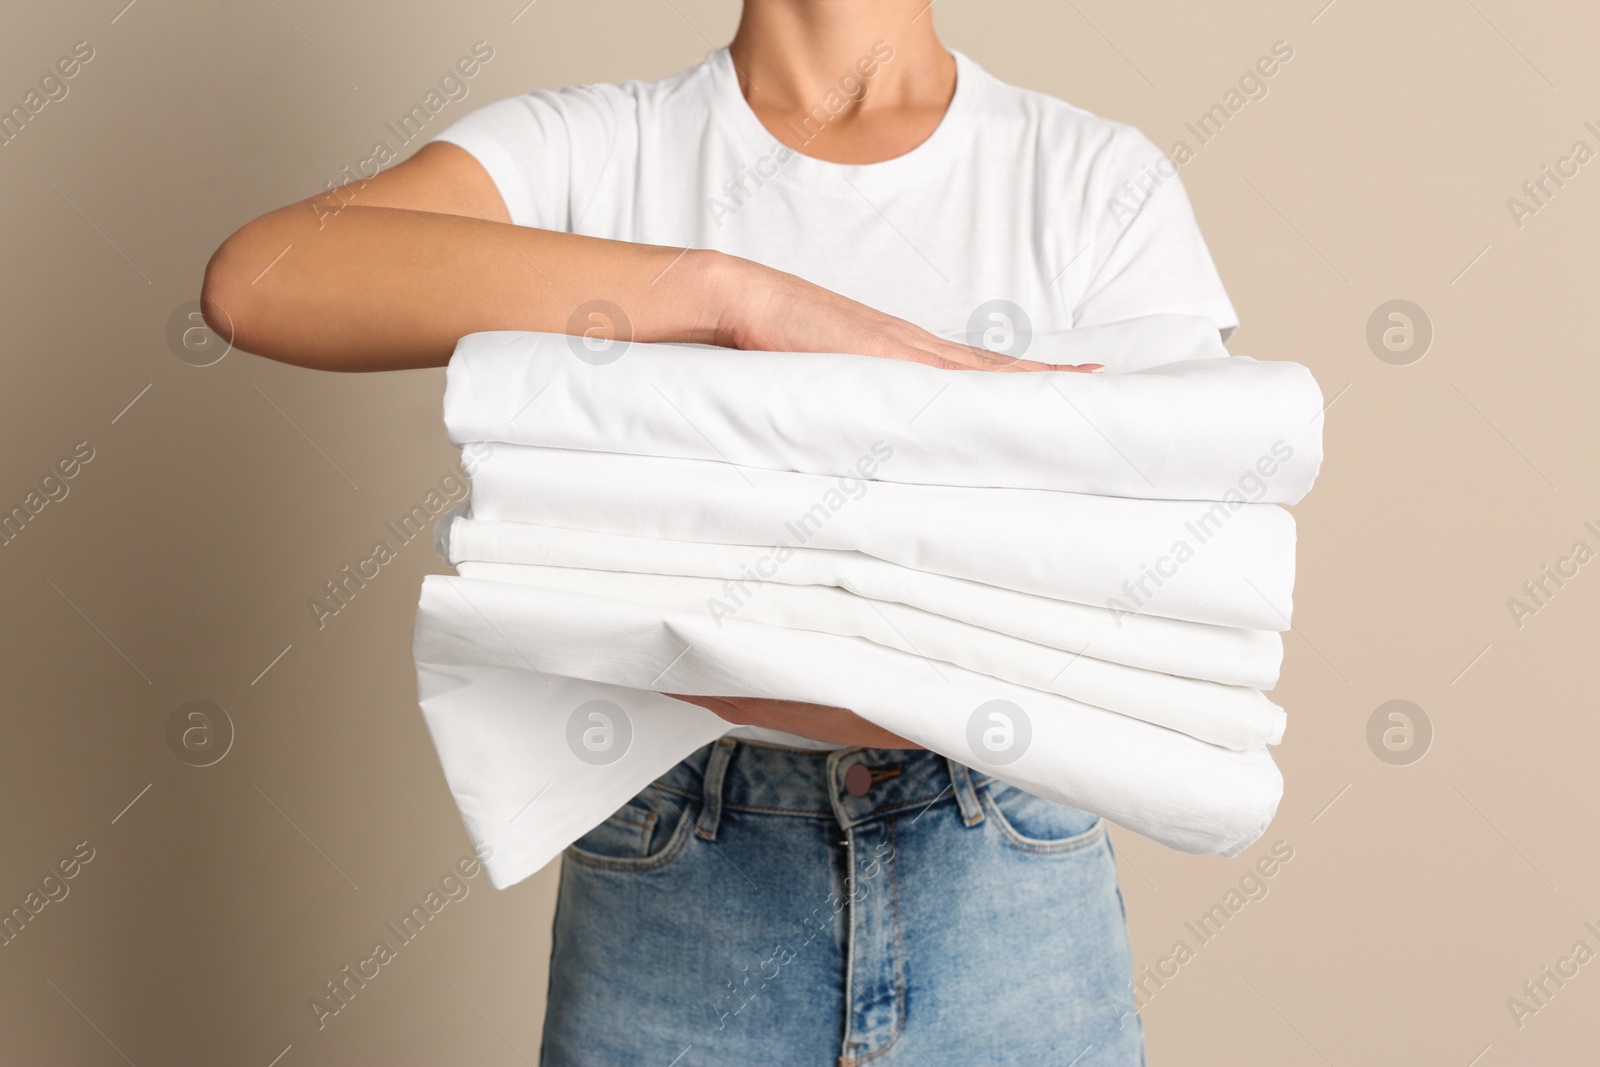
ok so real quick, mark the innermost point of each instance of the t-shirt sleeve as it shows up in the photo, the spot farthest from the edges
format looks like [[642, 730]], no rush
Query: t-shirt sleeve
[[540, 149], [1147, 255]]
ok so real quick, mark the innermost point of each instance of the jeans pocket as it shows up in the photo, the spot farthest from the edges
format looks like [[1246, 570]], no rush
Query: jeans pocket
[[1033, 824], [645, 834]]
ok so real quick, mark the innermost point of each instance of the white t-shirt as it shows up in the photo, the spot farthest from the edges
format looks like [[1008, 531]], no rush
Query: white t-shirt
[[1074, 219]]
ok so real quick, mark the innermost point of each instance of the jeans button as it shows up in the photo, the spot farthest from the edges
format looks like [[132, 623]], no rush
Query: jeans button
[[857, 780]]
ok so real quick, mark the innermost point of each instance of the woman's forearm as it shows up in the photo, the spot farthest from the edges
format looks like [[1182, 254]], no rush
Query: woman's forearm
[[388, 273], [382, 288]]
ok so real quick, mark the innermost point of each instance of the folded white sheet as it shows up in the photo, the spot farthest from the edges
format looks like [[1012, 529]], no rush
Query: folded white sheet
[[1102, 553], [1201, 425], [1226, 715], [1229, 655], [1218, 563], [496, 668]]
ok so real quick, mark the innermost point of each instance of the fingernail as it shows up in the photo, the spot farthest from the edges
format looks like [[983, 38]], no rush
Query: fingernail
[[1095, 368]]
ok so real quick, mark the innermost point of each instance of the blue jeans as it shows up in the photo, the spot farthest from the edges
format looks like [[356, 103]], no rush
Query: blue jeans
[[769, 905]]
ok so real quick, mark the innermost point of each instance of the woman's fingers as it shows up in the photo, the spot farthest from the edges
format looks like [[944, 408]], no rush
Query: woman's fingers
[[797, 316], [955, 355], [959, 357]]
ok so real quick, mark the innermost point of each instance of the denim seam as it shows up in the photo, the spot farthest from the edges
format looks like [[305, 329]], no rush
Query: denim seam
[[816, 813], [1014, 838], [899, 962], [884, 812], [685, 793], [899, 941], [647, 827], [673, 849], [822, 813], [846, 1057]]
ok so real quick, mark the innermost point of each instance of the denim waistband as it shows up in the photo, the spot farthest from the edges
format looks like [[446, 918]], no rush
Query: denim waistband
[[849, 785]]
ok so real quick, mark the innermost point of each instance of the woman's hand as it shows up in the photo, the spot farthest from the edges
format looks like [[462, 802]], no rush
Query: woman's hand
[[766, 309], [816, 721]]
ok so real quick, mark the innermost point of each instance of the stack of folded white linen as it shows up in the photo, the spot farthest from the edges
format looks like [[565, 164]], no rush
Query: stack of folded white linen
[[1075, 582]]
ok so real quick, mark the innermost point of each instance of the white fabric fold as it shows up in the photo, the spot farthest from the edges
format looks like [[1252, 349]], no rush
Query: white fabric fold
[[1231, 716], [1228, 564], [497, 663], [1229, 655], [500, 734], [1180, 419]]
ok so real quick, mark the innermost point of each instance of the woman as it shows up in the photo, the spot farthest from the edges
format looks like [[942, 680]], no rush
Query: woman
[[810, 889]]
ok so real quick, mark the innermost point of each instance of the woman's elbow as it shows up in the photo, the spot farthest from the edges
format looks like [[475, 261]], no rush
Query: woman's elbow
[[226, 294], [282, 318]]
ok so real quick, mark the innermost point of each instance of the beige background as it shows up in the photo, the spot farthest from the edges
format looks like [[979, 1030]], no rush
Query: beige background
[[1419, 898]]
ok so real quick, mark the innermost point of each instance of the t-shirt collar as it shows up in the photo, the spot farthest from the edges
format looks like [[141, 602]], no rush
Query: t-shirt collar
[[947, 138]]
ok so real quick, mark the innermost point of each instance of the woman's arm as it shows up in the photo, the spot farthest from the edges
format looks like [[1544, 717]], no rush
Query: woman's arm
[[388, 273]]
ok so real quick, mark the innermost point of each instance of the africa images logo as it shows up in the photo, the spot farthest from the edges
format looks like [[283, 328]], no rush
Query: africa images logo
[[599, 732], [999, 732]]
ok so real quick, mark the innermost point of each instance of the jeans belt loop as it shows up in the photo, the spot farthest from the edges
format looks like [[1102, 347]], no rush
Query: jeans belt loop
[[716, 769], [966, 793]]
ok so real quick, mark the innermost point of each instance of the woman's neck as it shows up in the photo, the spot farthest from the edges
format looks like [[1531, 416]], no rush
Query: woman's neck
[[843, 80]]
